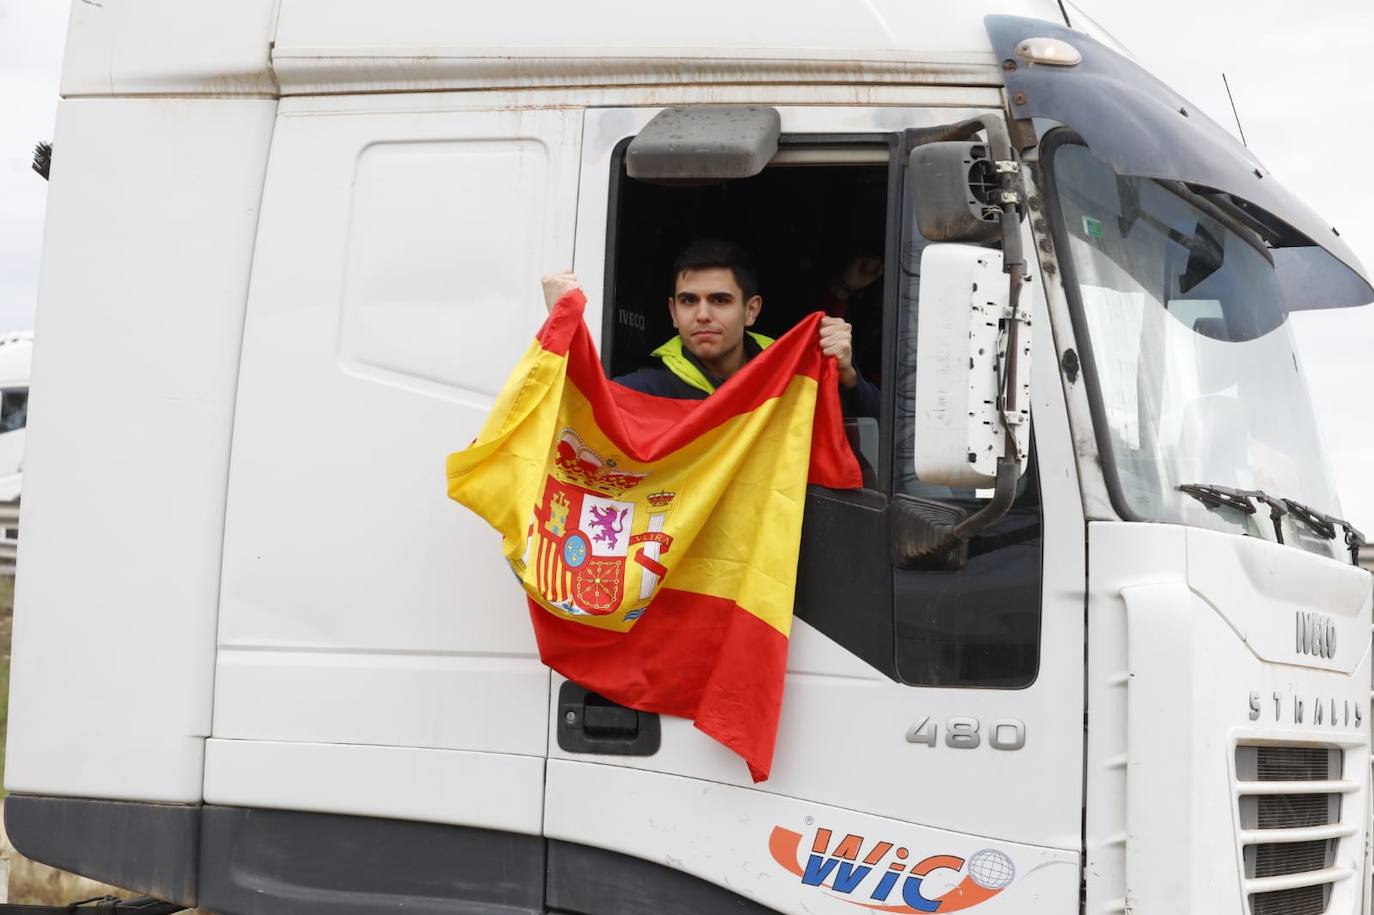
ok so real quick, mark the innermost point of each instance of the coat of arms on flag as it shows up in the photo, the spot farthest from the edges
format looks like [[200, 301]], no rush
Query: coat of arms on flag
[[581, 546], [657, 539]]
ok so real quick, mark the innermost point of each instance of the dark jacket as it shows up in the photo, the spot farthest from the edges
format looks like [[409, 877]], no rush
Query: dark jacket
[[690, 381]]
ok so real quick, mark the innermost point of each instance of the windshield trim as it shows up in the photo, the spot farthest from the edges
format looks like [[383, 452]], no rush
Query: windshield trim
[[1049, 145]]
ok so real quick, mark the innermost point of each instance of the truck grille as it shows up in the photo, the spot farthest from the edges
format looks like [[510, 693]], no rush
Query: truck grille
[[1293, 811], [1290, 818], [1305, 900], [1290, 858], [1292, 764]]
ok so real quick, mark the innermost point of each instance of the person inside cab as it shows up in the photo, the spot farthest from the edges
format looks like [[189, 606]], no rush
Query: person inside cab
[[714, 303]]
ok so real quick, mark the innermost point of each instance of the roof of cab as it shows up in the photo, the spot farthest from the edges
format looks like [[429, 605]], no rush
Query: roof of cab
[[270, 47]]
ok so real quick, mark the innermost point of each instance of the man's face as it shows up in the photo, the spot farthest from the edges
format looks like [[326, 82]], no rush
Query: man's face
[[710, 314]]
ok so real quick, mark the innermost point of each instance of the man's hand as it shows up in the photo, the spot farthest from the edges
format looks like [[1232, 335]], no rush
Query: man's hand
[[837, 339], [555, 285]]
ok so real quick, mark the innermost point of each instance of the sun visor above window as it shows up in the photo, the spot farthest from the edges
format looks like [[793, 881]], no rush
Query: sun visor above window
[[1142, 127], [704, 143]]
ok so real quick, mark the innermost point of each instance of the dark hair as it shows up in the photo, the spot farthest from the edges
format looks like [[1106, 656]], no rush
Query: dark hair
[[706, 253]]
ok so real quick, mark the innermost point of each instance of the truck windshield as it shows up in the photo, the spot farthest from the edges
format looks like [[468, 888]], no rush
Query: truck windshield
[[1191, 363]]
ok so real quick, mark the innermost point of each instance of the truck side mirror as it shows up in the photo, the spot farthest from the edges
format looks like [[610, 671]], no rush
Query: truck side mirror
[[954, 187], [963, 318], [695, 144]]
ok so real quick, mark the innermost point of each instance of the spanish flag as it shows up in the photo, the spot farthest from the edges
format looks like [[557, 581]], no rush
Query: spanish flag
[[656, 538]]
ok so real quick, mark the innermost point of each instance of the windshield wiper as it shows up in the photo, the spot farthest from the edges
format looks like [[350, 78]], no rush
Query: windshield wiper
[[1313, 519], [1214, 496], [1324, 525], [1220, 496]]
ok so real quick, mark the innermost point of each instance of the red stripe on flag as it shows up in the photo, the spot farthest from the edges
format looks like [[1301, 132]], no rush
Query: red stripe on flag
[[832, 460], [763, 378], [658, 426], [561, 327], [691, 655]]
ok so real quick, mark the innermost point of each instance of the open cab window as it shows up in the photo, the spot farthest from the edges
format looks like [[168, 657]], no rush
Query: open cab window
[[803, 220], [820, 202]]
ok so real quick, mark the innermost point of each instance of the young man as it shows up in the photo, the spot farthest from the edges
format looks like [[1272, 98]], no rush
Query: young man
[[715, 300]]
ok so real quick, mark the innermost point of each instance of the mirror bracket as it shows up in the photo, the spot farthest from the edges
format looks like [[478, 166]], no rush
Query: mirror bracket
[[926, 536]]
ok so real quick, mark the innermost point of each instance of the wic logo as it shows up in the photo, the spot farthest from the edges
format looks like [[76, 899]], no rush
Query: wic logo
[[881, 877]]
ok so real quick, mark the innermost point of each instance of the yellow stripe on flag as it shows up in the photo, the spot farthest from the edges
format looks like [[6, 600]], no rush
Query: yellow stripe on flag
[[738, 496], [512, 449]]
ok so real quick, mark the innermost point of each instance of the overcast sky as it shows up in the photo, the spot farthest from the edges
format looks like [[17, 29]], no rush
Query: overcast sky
[[1300, 74], [31, 36]]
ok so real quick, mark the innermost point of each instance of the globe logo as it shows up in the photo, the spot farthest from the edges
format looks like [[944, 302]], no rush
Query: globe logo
[[991, 869]]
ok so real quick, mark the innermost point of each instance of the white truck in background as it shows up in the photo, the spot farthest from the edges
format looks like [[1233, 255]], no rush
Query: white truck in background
[[16, 356], [307, 236]]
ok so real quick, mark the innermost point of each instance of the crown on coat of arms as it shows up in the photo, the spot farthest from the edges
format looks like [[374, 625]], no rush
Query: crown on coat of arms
[[575, 463], [660, 499]]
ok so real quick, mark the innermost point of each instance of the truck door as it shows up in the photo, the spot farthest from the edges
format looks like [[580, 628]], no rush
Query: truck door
[[929, 752], [395, 281]]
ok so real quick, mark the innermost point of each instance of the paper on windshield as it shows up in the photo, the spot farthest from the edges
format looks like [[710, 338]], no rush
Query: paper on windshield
[[1114, 321]]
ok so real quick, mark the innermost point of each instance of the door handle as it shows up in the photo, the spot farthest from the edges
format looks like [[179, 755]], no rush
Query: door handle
[[589, 723]]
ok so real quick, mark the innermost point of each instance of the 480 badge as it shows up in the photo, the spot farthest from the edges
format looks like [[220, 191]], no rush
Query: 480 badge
[[963, 733]]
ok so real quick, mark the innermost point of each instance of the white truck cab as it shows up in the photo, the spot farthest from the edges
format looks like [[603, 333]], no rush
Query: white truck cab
[[297, 679]]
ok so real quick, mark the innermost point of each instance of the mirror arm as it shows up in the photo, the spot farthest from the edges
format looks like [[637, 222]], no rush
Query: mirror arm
[[924, 532], [1003, 494], [1014, 265]]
